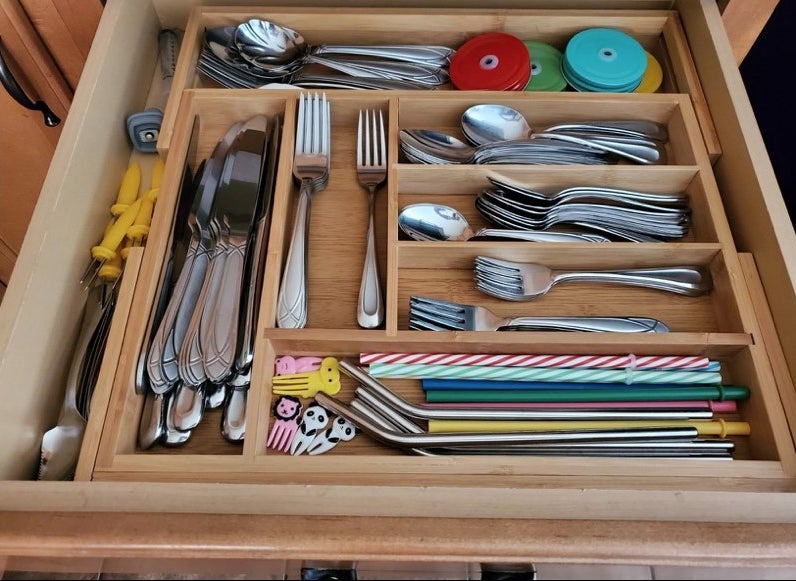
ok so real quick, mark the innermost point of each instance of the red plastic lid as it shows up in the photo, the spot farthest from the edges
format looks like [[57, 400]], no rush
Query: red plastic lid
[[494, 61]]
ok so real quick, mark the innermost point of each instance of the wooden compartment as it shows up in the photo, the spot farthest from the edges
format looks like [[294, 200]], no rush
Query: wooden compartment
[[720, 324], [660, 32]]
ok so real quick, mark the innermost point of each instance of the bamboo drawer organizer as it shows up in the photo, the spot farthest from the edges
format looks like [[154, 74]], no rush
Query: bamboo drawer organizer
[[721, 325]]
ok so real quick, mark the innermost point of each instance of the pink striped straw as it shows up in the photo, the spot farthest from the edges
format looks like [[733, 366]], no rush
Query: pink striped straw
[[719, 407], [561, 361]]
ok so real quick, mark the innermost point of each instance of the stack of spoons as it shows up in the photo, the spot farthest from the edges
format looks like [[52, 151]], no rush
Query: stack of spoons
[[259, 52], [626, 215], [498, 134]]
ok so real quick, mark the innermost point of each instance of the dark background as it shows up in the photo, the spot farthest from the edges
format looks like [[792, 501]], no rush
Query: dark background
[[768, 72]]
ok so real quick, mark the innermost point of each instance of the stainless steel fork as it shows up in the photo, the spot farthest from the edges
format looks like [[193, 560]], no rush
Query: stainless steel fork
[[427, 314], [371, 172], [311, 168], [518, 281]]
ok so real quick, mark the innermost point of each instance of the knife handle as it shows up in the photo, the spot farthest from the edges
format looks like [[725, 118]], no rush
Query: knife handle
[[220, 339], [158, 359], [292, 303], [191, 368], [188, 299]]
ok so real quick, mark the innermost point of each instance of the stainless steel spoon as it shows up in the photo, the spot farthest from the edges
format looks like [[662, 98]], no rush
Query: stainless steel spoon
[[430, 222]]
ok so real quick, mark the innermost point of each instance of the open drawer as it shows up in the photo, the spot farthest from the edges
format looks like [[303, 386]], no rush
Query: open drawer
[[211, 498]]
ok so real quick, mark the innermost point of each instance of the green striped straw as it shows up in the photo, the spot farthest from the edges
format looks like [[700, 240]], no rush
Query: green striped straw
[[626, 376]]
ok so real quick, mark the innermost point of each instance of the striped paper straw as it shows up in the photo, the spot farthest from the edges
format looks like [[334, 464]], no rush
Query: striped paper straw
[[625, 376], [565, 361]]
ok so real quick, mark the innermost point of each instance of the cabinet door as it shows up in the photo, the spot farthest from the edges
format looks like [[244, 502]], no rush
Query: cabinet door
[[26, 143]]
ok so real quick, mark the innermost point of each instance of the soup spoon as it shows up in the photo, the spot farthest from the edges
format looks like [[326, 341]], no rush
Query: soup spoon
[[431, 222]]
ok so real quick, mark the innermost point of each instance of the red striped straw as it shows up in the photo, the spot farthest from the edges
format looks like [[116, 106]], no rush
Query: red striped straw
[[561, 361]]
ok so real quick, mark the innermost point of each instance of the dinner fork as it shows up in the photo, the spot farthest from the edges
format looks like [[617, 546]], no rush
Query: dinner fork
[[371, 172], [517, 281], [311, 168], [429, 314]]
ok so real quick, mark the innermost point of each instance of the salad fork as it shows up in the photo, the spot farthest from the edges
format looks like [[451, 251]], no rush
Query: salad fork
[[427, 314], [517, 281], [311, 169], [371, 172]]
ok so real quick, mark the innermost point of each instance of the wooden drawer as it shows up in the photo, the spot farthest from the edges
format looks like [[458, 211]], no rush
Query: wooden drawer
[[365, 502]]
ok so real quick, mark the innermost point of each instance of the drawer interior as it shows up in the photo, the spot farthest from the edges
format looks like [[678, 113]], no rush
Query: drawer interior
[[658, 31], [718, 325]]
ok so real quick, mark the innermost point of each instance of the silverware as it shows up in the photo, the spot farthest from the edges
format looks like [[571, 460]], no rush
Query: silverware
[[60, 445], [311, 168], [429, 314], [166, 344], [371, 172], [404, 440], [518, 281], [234, 211]]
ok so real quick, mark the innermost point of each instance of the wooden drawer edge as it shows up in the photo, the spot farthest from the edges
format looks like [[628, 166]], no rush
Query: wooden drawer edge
[[419, 539], [751, 194], [579, 503]]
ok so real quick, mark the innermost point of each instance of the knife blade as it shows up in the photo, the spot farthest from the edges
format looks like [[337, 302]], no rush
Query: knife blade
[[162, 365], [255, 262], [234, 212]]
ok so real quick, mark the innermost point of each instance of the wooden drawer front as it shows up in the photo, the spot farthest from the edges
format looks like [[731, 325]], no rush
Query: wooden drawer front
[[720, 325], [659, 31]]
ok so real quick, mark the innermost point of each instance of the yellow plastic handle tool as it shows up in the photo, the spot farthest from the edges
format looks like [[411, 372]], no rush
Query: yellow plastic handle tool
[[106, 250], [140, 228], [128, 191], [110, 269], [718, 427], [325, 379]]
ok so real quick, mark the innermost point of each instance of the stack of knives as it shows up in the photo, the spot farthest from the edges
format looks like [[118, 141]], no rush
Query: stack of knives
[[200, 333]]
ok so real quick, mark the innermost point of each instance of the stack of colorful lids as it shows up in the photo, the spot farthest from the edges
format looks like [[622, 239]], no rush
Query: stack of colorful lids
[[545, 67], [493, 61], [604, 60]]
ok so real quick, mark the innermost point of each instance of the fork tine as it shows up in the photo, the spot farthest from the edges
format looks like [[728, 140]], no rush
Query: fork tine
[[325, 129], [359, 139], [368, 141], [317, 124], [432, 303], [382, 143], [428, 319], [300, 122], [497, 292], [497, 264]]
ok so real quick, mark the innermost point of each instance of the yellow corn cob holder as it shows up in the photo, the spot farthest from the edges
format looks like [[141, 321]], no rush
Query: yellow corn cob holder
[[129, 226]]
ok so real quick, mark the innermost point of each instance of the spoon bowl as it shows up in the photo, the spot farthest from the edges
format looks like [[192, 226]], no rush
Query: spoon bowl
[[489, 122], [267, 42], [433, 222]]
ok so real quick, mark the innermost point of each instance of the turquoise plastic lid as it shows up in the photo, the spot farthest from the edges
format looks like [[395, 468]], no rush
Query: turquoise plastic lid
[[604, 59]]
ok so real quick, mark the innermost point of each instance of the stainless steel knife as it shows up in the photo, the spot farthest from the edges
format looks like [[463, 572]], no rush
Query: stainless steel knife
[[234, 211], [162, 364]]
